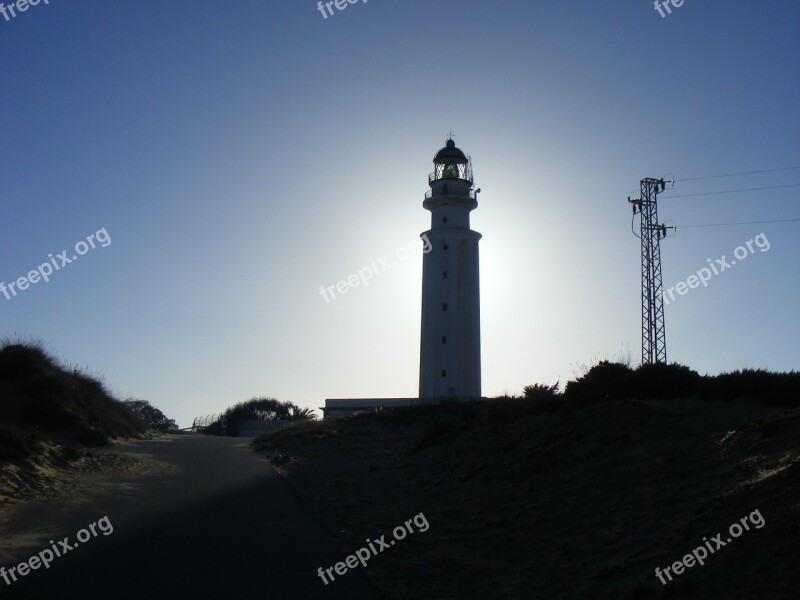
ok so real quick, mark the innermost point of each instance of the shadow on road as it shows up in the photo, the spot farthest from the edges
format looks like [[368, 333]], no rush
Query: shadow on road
[[256, 541]]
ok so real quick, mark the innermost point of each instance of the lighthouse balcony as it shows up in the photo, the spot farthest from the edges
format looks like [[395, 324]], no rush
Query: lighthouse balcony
[[462, 193]]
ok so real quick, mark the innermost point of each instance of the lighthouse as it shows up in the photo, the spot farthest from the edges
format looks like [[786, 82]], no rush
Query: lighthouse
[[450, 344]]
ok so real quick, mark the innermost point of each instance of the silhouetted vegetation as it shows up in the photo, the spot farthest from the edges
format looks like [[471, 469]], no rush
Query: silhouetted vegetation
[[603, 381], [151, 416], [771, 388], [540, 391], [609, 381], [260, 409], [661, 381], [24, 362], [41, 396]]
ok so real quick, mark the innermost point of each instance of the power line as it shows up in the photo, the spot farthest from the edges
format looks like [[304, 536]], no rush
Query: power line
[[740, 173], [738, 223], [768, 187]]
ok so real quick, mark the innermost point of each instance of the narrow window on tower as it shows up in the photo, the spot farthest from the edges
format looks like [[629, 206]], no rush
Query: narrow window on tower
[[445, 246], [444, 372], [444, 339], [444, 306], [444, 220], [444, 274]]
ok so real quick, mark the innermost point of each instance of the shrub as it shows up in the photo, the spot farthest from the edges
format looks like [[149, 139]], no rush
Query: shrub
[[661, 381], [600, 383], [260, 409], [757, 384], [151, 416], [541, 391], [20, 362]]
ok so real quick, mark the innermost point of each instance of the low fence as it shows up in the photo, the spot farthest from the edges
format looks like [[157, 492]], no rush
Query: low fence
[[247, 429], [201, 423]]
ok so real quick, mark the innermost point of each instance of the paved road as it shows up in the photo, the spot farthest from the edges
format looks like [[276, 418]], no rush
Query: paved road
[[223, 525]]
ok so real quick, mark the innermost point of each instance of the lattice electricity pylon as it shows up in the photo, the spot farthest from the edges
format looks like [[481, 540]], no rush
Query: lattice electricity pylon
[[654, 342]]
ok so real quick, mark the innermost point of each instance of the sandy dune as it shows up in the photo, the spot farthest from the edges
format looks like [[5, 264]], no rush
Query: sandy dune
[[579, 503]]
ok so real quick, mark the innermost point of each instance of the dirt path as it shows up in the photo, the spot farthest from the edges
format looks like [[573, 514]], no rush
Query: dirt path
[[192, 516]]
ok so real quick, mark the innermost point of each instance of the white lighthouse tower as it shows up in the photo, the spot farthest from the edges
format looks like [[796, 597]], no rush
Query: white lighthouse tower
[[450, 348]]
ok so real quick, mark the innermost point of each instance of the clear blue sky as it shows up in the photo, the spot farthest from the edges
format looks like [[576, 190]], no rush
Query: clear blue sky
[[239, 155]]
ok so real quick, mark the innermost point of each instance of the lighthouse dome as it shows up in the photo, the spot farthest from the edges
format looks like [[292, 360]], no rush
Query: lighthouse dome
[[450, 155]]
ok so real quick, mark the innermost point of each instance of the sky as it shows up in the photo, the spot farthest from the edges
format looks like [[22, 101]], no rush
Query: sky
[[228, 159]]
